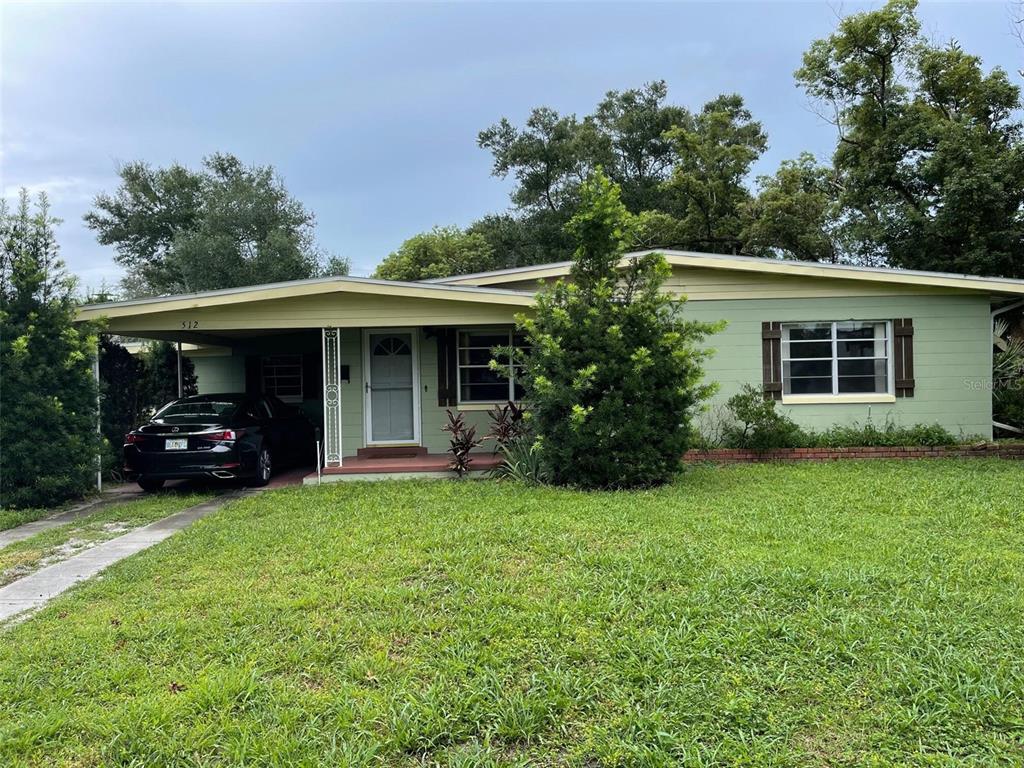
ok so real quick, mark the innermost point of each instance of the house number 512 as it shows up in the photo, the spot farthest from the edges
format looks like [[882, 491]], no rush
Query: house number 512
[[189, 325]]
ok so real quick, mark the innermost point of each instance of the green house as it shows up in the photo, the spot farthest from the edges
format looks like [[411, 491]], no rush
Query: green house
[[377, 363]]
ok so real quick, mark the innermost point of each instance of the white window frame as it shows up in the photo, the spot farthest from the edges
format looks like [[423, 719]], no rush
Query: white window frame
[[889, 396], [263, 378], [480, 404]]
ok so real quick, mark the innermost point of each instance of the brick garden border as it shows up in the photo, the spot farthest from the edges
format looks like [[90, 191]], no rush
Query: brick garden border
[[740, 455]]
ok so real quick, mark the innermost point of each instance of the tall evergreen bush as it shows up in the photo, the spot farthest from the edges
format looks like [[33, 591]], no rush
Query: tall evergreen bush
[[614, 371]]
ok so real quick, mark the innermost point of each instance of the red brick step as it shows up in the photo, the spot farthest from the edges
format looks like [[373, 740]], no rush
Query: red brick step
[[392, 452]]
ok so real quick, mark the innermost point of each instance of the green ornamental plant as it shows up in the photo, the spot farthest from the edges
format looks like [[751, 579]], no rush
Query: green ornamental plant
[[463, 440], [613, 371], [48, 428], [757, 424]]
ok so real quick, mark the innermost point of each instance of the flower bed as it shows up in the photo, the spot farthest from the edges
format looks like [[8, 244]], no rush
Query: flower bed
[[736, 455]]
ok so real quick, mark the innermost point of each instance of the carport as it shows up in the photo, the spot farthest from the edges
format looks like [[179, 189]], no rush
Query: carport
[[372, 362]]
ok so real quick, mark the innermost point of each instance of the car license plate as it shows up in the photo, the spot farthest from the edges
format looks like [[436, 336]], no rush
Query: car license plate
[[177, 444]]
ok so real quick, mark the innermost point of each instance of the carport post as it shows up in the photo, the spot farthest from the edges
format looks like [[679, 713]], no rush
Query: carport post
[[181, 388], [99, 426], [331, 356]]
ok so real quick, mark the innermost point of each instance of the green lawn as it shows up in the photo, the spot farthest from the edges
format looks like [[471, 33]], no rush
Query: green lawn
[[12, 518], [107, 522], [848, 614]]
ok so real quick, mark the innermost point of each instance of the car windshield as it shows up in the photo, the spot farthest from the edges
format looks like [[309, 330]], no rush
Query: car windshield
[[219, 408]]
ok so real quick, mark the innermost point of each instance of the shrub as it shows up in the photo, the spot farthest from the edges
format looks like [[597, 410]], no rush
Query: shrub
[[48, 439], [757, 424], [869, 435], [613, 370], [523, 461], [463, 440], [508, 425]]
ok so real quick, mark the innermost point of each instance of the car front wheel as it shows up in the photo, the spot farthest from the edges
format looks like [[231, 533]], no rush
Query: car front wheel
[[149, 484], [264, 467]]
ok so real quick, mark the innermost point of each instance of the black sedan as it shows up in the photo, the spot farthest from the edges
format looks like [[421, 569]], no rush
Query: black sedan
[[218, 436]]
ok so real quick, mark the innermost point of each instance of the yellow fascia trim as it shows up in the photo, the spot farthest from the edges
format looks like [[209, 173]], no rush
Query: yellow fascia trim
[[832, 399], [178, 303], [772, 266], [541, 273], [809, 270]]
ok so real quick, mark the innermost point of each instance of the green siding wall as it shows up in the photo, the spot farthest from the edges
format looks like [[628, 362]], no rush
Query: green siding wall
[[952, 348], [219, 374], [952, 363], [352, 392]]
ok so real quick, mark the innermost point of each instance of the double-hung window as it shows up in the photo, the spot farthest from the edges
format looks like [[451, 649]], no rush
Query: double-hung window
[[843, 358], [477, 382]]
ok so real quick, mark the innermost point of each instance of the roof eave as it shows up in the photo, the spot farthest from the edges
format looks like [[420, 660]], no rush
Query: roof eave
[[990, 285], [301, 288]]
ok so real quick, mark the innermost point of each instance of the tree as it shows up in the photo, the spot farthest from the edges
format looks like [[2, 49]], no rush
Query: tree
[[121, 401], [715, 154], [613, 371], [640, 153], [159, 384], [519, 241], [48, 440], [929, 150], [440, 252], [178, 230], [683, 173], [796, 214]]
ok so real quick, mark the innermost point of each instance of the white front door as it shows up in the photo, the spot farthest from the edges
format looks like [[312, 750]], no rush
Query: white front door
[[392, 386]]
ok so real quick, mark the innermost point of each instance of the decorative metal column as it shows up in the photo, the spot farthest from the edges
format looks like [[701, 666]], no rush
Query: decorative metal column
[[99, 417], [332, 397]]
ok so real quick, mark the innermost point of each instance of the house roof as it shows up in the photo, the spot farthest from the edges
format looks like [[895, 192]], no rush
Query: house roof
[[989, 285], [303, 288], [485, 287]]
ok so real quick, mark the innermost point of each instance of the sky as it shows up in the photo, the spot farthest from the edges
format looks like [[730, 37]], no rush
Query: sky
[[370, 112]]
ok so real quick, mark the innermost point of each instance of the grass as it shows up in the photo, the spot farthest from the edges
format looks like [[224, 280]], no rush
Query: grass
[[107, 522], [847, 614], [12, 518]]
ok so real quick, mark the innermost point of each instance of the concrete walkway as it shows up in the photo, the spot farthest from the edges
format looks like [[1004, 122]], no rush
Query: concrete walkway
[[27, 530], [38, 588]]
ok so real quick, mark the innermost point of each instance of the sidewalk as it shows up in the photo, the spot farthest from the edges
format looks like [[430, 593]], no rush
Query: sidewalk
[[27, 530], [38, 588]]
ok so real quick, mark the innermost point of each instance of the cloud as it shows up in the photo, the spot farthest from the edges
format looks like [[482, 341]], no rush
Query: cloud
[[61, 189]]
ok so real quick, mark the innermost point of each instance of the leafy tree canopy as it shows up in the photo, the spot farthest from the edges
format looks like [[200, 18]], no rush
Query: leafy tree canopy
[[684, 172], [440, 252], [715, 154], [929, 152], [795, 214], [179, 230]]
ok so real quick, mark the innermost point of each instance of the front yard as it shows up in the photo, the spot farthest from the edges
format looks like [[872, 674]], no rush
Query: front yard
[[858, 613], [108, 521]]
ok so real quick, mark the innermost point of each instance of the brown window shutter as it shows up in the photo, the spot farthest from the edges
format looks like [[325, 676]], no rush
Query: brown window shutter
[[903, 356], [447, 374], [771, 360]]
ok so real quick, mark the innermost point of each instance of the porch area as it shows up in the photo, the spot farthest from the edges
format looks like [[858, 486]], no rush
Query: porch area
[[413, 463]]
